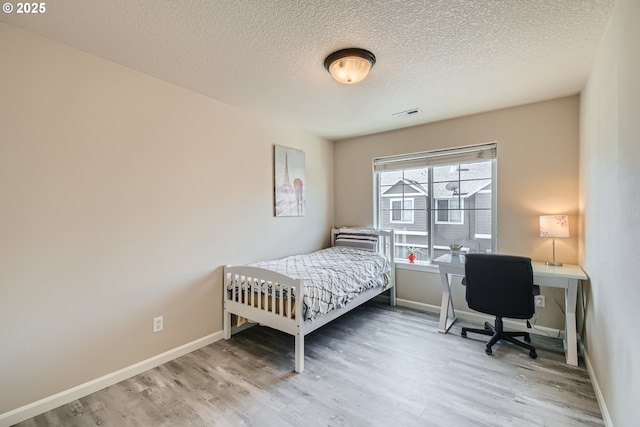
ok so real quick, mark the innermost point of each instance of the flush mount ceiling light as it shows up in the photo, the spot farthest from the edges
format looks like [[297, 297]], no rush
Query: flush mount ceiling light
[[349, 66]]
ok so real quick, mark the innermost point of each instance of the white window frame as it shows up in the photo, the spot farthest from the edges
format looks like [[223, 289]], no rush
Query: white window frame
[[428, 160]]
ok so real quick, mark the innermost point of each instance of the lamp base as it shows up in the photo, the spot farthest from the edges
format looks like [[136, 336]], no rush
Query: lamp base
[[553, 264]]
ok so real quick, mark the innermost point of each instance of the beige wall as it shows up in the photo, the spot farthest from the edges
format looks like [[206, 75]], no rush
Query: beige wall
[[121, 198], [609, 198], [537, 174]]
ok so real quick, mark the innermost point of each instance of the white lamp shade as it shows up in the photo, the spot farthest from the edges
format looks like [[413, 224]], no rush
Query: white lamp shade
[[349, 70], [554, 226]]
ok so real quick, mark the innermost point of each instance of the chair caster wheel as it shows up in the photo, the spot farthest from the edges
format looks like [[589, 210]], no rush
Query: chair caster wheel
[[527, 338], [463, 333], [533, 355], [488, 351]]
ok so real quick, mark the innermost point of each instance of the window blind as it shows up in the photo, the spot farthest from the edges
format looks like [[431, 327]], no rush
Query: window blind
[[467, 154]]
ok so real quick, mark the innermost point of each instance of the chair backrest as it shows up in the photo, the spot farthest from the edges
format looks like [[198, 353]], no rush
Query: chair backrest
[[501, 285]]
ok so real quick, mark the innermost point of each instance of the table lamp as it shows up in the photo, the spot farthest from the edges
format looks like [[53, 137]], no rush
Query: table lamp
[[554, 226]]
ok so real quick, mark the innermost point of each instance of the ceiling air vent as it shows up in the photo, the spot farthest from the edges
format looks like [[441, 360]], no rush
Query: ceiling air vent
[[408, 113]]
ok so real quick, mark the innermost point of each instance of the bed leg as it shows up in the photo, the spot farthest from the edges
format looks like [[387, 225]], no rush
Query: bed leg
[[392, 296], [227, 325], [299, 352]]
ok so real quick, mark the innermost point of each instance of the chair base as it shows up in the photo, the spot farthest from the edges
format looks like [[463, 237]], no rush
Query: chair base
[[497, 333]]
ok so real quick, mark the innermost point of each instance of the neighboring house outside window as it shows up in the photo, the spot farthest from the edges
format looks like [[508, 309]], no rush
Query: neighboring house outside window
[[483, 215], [433, 199]]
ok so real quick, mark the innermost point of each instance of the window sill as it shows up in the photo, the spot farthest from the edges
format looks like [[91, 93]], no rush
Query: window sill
[[427, 267]]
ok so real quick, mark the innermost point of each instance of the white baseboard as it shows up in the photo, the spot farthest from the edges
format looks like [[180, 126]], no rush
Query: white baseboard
[[51, 402], [433, 309], [481, 318], [596, 387]]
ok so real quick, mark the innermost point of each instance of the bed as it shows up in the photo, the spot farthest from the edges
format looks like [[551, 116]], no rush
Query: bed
[[358, 266]]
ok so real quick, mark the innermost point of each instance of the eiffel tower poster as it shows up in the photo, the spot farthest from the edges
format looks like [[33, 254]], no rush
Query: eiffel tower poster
[[289, 181]]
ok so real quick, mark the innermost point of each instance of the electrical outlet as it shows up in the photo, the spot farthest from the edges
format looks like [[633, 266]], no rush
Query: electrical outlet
[[158, 323], [539, 300]]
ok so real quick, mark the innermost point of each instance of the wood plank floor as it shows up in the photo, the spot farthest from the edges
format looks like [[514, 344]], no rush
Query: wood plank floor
[[376, 366]]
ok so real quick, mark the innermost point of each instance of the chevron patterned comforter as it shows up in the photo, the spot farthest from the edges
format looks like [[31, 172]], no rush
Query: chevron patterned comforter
[[332, 276]]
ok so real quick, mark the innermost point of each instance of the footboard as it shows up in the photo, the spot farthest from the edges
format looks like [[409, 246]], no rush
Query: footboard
[[266, 297]]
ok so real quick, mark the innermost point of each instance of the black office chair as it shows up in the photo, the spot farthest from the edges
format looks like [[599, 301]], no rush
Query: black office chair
[[500, 285]]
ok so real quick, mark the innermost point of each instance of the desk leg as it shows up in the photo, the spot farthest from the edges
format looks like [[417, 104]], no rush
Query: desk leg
[[571, 339], [446, 318]]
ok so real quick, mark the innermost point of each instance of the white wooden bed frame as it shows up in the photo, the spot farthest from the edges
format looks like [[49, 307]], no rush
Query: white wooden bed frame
[[274, 312]]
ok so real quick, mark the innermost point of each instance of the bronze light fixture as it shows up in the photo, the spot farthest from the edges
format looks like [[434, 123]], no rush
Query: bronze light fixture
[[349, 66]]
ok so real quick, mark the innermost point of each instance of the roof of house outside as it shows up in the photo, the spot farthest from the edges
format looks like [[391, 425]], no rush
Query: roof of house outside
[[449, 181]]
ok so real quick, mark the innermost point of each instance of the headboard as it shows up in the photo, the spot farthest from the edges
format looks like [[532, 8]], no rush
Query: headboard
[[384, 245]]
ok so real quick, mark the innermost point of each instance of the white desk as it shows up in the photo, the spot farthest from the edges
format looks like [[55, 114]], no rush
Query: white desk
[[565, 277]]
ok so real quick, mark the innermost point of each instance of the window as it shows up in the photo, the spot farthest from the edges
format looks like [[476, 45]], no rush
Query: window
[[402, 210], [449, 211], [433, 199]]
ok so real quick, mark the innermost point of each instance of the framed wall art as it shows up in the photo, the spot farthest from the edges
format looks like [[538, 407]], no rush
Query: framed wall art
[[289, 181]]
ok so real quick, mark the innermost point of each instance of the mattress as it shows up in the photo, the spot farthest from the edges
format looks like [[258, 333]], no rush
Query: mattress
[[332, 276]]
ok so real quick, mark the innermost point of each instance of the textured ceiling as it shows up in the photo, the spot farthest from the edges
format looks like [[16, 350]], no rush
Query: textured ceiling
[[446, 57]]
